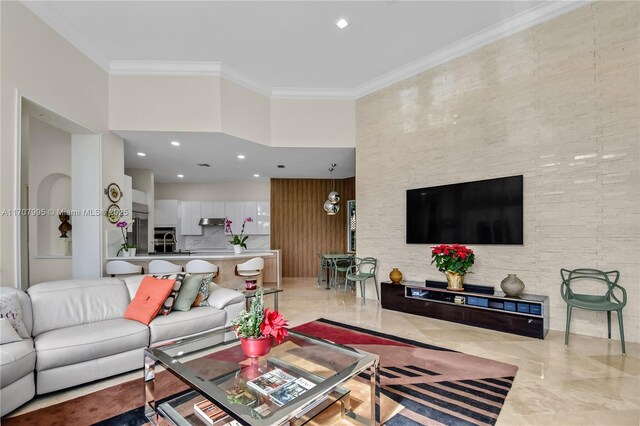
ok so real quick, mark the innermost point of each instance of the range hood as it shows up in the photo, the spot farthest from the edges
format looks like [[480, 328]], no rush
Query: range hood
[[211, 221]]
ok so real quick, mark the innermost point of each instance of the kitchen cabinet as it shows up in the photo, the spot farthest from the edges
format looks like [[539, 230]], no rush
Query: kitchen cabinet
[[214, 209], [259, 211], [166, 213], [190, 214], [263, 215]]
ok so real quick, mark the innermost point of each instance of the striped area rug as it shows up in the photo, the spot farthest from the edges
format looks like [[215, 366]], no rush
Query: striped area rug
[[421, 384], [432, 385]]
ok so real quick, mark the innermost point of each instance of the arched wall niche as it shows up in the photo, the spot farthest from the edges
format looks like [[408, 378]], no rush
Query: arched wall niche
[[54, 192]]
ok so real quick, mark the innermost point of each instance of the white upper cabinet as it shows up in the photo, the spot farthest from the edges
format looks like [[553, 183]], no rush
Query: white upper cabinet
[[166, 212], [236, 211], [263, 214], [190, 214]]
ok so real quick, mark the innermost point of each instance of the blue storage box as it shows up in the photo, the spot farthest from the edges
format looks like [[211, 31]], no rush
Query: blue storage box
[[523, 308], [510, 306], [477, 301], [535, 309], [496, 305]]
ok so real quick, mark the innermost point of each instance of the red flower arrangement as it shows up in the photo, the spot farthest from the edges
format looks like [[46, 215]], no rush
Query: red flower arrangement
[[455, 258], [259, 322], [274, 325]]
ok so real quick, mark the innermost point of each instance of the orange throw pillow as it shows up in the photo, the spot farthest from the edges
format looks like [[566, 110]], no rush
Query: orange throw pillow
[[149, 299]]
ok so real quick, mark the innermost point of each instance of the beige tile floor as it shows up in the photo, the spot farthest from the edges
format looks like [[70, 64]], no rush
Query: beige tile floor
[[588, 383]]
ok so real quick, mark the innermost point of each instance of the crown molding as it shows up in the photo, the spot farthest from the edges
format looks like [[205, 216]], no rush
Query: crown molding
[[510, 26], [50, 16], [312, 94]]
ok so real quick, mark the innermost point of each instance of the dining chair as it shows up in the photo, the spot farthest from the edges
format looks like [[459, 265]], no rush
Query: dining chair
[[361, 271], [120, 267], [163, 267], [325, 266], [609, 301], [341, 264]]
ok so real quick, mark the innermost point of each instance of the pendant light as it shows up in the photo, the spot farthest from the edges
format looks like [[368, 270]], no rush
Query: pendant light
[[331, 205]]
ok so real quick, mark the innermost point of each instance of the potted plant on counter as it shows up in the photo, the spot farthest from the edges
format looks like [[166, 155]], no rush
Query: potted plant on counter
[[454, 260], [127, 249], [257, 327], [238, 241]]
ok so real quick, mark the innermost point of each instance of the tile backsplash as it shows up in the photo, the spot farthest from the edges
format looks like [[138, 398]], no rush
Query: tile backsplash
[[214, 238]]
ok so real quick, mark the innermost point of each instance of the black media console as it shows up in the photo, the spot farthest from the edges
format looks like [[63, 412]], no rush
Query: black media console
[[527, 315]]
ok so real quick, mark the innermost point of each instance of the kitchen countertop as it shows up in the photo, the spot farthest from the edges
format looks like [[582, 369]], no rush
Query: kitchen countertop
[[202, 254]]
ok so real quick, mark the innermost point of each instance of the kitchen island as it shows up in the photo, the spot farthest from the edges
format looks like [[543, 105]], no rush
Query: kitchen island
[[226, 261]]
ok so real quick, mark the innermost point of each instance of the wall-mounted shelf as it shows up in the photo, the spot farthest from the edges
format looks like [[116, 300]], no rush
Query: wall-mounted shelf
[[527, 315]]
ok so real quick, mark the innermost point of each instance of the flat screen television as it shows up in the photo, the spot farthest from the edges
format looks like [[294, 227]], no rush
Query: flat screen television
[[481, 212]]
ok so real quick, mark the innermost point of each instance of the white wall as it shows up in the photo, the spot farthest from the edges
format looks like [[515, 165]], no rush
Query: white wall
[[245, 113], [317, 123], [225, 191], [558, 103], [165, 103], [39, 63], [50, 187]]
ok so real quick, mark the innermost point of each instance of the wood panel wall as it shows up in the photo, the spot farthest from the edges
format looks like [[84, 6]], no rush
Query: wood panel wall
[[300, 227]]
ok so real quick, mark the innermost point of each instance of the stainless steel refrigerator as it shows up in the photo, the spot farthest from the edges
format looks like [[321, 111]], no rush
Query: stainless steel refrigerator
[[140, 229]]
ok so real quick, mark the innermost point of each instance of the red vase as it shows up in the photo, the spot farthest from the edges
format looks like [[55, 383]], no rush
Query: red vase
[[255, 347]]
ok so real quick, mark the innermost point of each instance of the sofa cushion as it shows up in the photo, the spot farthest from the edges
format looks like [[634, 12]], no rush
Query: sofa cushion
[[59, 304], [17, 359], [203, 292], [80, 343], [8, 334], [180, 324], [188, 292], [148, 301], [11, 310], [167, 306], [25, 304]]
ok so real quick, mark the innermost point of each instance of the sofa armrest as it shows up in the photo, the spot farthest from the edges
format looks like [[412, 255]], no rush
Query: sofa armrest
[[220, 297]]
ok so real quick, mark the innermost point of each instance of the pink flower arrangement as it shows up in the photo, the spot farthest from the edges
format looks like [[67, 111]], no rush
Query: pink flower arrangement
[[240, 239]]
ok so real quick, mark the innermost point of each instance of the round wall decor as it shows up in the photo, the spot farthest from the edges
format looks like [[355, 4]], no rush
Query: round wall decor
[[114, 193], [114, 213]]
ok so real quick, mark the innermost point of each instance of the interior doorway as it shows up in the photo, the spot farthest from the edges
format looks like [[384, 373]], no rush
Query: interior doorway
[[59, 180]]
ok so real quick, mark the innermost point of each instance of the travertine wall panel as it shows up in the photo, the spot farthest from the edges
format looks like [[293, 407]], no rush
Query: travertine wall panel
[[558, 103]]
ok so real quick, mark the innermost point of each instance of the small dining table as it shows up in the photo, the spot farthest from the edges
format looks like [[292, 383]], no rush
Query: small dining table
[[332, 257]]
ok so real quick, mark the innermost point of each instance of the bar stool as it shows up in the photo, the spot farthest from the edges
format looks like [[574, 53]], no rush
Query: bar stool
[[120, 267], [163, 267], [250, 271], [199, 266]]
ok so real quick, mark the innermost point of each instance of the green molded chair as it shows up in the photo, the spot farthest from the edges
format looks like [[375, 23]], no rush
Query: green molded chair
[[361, 271], [341, 264], [607, 302]]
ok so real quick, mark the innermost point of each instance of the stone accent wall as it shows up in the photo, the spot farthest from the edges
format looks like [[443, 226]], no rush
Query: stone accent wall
[[558, 103]]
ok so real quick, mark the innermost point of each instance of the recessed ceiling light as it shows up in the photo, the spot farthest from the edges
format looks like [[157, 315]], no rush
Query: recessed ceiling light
[[180, 176], [142, 154], [175, 143], [256, 175], [342, 23], [241, 157]]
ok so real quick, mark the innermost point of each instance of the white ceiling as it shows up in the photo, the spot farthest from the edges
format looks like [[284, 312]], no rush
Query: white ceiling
[[288, 44], [221, 151]]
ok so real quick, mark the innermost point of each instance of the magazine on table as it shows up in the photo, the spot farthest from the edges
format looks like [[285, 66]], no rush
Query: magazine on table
[[271, 381], [291, 391]]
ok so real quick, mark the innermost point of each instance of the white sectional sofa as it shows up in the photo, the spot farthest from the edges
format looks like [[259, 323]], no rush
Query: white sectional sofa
[[80, 334]]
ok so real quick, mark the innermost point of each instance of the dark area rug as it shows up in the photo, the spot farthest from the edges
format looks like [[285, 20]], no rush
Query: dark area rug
[[421, 384]]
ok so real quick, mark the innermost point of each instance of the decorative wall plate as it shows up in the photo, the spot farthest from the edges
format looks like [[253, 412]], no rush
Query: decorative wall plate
[[114, 213], [114, 193]]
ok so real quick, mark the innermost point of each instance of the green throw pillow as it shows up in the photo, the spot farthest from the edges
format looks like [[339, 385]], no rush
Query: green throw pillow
[[188, 292]]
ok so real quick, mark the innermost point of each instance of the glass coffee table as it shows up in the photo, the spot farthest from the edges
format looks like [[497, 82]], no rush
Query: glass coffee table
[[294, 382]]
